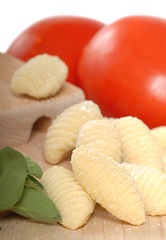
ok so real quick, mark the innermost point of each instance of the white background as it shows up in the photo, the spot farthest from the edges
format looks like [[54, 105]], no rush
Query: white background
[[16, 15]]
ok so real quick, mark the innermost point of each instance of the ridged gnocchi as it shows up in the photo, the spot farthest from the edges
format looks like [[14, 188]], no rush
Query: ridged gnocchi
[[73, 202], [62, 134], [41, 77], [100, 134], [138, 145], [151, 184], [108, 183], [159, 134]]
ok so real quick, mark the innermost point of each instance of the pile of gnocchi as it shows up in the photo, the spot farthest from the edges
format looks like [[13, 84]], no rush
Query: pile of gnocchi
[[118, 163]]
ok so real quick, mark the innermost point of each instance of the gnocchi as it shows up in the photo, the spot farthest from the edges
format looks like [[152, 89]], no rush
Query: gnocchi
[[62, 134], [108, 183], [73, 202], [159, 134], [164, 161], [151, 184], [138, 146], [100, 134], [41, 77]]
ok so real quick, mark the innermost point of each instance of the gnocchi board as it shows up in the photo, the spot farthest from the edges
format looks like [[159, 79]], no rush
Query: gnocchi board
[[101, 225], [18, 113]]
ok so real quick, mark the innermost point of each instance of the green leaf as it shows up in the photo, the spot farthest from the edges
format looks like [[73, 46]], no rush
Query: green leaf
[[13, 172], [36, 205], [33, 167], [33, 182]]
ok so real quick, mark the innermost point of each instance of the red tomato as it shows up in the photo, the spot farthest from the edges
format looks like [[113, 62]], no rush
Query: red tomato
[[123, 69], [64, 36]]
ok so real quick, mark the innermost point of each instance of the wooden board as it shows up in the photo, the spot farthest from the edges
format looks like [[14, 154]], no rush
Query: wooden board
[[101, 225], [18, 113]]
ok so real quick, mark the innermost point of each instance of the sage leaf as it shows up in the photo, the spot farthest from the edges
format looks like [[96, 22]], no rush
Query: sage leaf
[[33, 182], [33, 167], [36, 205], [13, 172]]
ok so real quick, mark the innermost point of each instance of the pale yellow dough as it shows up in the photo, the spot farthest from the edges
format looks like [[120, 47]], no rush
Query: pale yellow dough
[[102, 136], [41, 77], [109, 184], [73, 202], [138, 145], [159, 134], [151, 184], [164, 161], [62, 134]]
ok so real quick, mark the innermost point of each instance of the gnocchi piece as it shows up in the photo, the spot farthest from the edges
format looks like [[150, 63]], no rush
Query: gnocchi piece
[[151, 184], [138, 145], [62, 134], [96, 129], [73, 202], [109, 149], [164, 161], [109, 184], [100, 134], [41, 77], [159, 134], [110, 119]]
